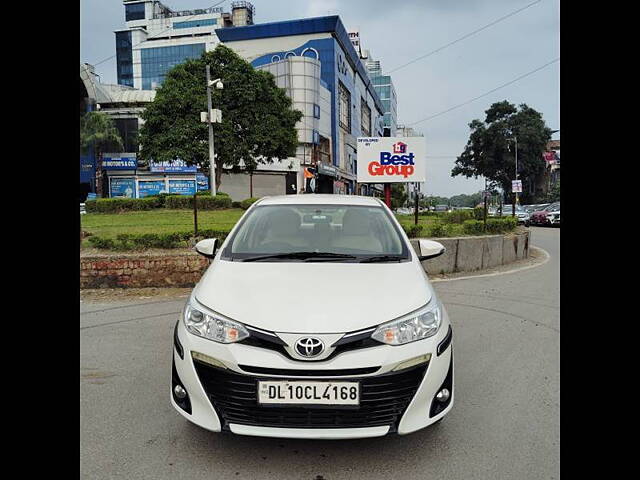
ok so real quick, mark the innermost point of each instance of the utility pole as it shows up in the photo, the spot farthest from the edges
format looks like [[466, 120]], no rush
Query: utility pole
[[416, 205], [212, 164], [211, 117], [515, 197], [485, 203]]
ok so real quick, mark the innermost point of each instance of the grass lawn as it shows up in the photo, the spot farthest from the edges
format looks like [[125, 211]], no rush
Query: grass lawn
[[109, 225], [158, 221]]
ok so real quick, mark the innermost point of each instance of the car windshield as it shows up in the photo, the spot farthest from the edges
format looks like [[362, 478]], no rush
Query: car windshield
[[317, 233]]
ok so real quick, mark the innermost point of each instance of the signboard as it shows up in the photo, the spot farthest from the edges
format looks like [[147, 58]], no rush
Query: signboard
[[550, 157], [150, 187], [91, 196], [182, 187], [516, 186], [172, 167], [119, 161], [326, 169], [122, 187], [392, 159], [202, 182]]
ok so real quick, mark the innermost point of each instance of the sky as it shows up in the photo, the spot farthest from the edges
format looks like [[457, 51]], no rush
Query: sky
[[397, 32]]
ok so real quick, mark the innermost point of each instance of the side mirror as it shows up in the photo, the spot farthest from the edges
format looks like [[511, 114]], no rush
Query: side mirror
[[207, 247], [430, 249]]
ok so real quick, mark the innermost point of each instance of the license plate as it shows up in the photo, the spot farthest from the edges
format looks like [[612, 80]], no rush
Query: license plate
[[293, 392]]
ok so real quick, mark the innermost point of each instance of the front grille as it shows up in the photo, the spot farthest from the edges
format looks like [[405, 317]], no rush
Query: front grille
[[383, 400], [351, 341]]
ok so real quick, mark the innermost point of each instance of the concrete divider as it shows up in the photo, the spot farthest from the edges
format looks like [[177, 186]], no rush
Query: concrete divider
[[184, 269], [468, 254]]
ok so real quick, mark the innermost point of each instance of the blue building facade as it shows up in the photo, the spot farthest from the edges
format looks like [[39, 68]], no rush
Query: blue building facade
[[356, 109]]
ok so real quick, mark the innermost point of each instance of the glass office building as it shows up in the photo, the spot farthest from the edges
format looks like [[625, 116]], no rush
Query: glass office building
[[387, 92], [156, 62], [157, 38]]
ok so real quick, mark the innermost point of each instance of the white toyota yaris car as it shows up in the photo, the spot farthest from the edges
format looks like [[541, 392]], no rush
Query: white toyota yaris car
[[315, 319]]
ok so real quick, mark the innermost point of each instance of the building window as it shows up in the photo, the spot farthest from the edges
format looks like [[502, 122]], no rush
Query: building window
[[124, 58], [134, 12], [316, 111], [344, 107], [365, 120], [196, 23], [156, 62]]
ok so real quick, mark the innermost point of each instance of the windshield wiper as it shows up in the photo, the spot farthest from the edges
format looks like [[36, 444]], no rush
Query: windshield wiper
[[382, 258], [299, 255]]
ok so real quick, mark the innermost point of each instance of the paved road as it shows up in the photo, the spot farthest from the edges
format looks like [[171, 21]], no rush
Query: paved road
[[505, 423]]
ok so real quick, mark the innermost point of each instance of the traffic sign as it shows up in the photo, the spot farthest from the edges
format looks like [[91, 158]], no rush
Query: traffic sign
[[516, 186]]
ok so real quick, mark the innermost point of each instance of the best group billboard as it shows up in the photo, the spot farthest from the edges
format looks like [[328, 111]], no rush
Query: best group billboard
[[392, 159]]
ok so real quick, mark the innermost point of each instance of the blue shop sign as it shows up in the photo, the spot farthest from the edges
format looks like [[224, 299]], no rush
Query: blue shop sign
[[122, 187], [176, 166], [150, 187], [119, 163], [202, 181], [182, 187]]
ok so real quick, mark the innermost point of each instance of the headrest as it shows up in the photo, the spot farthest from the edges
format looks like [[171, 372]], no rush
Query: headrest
[[356, 222], [284, 222]]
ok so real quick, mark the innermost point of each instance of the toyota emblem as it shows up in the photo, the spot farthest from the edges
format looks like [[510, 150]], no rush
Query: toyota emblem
[[309, 347]]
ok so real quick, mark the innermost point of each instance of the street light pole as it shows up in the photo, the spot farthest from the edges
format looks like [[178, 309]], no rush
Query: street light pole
[[515, 198], [212, 164]]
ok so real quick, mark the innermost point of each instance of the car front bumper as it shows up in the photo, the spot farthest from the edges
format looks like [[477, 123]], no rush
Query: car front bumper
[[225, 399]]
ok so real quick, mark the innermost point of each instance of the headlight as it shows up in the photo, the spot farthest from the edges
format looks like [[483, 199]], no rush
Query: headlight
[[422, 324], [212, 326]]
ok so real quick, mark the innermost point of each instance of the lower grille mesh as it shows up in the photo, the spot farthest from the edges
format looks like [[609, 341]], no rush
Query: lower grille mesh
[[384, 398]]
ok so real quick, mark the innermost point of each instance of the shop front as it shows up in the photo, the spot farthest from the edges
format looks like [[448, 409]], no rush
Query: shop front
[[126, 180]]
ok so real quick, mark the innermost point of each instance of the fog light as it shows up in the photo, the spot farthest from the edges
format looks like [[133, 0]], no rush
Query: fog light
[[179, 392], [443, 395]]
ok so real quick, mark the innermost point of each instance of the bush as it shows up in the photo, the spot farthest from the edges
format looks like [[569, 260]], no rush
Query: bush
[[116, 205], [143, 241], [235, 204], [494, 226], [457, 216], [205, 202], [437, 229], [478, 213], [473, 227], [102, 243], [413, 231], [245, 204]]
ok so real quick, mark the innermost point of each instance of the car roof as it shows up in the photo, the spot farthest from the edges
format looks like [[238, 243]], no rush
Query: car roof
[[320, 199]]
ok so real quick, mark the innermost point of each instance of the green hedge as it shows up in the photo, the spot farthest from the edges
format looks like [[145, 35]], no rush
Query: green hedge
[[115, 205], [413, 231], [457, 216], [494, 225], [163, 200], [245, 204], [142, 241], [204, 202]]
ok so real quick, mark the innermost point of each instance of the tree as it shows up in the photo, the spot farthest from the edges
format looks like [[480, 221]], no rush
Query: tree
[[554, 193], [489, 153], [98, 131], [398, 195], [258, 124]]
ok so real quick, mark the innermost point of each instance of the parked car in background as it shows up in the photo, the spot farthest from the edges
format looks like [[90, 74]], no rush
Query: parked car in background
[[548, 216], [535, 207], [443, 208], [507, 210]]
